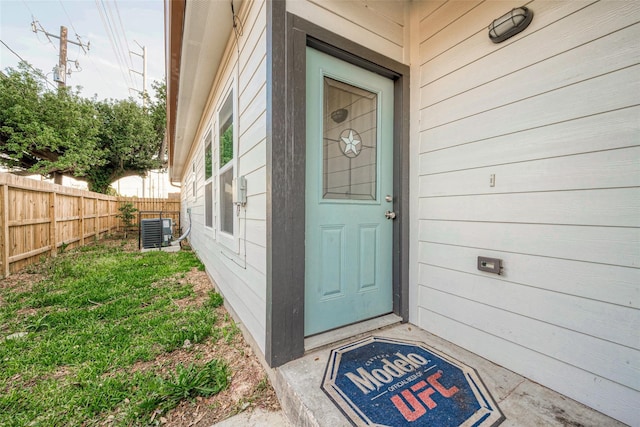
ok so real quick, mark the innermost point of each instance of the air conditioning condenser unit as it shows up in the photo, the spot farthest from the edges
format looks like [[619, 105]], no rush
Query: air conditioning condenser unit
[[156, 232]]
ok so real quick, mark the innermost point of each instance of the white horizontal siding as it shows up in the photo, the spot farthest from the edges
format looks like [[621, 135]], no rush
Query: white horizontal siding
[[252, 160], [377, 25], [257, 232], [580, 64], [461, 19], [256, 181], [529, 151], [539, 367], [571, 172], [606, 208], [257, 209], [553, 27], [239, 274], [591, 134], [588, 280], [253, 134], [252, 106], [562, 313], [605, 245], [188, 199], [615, 90]]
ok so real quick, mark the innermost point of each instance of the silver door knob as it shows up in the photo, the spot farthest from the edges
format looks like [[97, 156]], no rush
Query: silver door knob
[[390, 215]]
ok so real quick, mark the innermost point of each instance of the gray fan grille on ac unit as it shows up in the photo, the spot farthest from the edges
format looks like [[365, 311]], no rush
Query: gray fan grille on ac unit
[[151, 233]]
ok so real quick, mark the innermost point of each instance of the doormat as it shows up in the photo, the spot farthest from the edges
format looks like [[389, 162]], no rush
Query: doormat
[[386, 382]]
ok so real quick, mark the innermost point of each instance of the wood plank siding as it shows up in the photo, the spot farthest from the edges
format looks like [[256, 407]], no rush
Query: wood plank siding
[[527, 151], [551, 117], [377, 25], [239, 270]]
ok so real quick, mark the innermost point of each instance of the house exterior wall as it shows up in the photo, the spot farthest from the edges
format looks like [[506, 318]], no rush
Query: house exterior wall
[[239, 269], [379, 25], [552, 114]]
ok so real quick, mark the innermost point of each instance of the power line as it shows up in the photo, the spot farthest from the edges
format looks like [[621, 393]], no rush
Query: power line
[[69, 18], [35, 30], [119, 34], [80, 44], [38, 72], [28, 8], [33, 23], [60, 72], [114, 32], [143, 73], [98, 69], [124, 32], [111, 41], [102, 77]]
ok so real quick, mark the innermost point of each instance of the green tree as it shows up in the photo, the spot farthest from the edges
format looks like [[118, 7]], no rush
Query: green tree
[[131, 138], [127, 215], [158, 112], [128, 141], [45, 132], [58, 132]]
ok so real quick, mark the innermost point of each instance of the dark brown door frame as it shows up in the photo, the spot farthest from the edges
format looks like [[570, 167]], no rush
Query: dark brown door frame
[[287, 39]]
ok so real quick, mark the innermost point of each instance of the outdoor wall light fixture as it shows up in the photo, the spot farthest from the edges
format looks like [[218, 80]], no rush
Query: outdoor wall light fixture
[[510, 24]]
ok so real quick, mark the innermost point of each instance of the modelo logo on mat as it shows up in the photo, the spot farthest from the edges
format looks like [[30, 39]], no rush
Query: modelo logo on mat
[[386, 382]]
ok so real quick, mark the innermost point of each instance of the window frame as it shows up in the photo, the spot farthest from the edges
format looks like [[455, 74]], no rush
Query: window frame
[[230, 240], [210, 181], [194, 181]]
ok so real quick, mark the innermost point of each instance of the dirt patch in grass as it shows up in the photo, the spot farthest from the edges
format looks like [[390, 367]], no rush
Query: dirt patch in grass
[[21, 282], [248, 388], [201, 287]]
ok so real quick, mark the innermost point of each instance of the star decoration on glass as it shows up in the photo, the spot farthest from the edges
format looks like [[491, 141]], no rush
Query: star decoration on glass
[[351, 140]]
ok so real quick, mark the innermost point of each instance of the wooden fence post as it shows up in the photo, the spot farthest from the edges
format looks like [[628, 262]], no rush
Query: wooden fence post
[[81, 215], [53, 221], [109, 215], [5, 230], [25, 218], [96, 219]]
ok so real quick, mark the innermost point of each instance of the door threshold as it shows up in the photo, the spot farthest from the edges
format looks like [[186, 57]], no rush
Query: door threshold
[[350, 331]]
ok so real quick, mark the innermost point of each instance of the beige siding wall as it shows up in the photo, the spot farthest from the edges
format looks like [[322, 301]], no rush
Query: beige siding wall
[[379, 25], [239, 269], [553, 114]]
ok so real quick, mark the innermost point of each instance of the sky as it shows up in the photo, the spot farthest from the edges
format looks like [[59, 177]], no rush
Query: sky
[[109, 26], [103, 24]]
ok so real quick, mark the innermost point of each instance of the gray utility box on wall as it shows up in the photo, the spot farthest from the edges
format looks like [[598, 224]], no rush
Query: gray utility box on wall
[[156, 232]]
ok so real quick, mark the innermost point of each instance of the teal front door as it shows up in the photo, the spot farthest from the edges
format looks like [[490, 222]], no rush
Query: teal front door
[[349, 199]]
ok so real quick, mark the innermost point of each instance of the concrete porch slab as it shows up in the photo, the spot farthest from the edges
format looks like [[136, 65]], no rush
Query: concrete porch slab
[[523, 402], [256, 418]]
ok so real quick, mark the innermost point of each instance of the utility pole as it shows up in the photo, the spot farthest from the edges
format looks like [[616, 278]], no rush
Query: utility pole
[[60, 72], [143, 74], [62, 60]]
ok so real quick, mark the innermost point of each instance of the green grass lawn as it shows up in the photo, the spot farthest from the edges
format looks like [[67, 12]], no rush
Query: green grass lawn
[[69, 340]]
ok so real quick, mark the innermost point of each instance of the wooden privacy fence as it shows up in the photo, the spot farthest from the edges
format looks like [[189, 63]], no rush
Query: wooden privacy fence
[[38, 218]]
